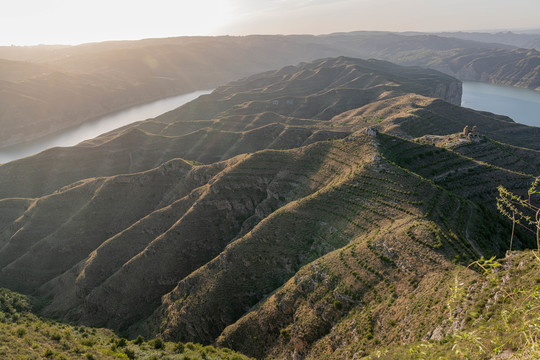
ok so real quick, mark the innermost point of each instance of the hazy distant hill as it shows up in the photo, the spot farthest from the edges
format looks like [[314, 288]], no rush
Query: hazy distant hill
[[49, 88], [58, 88], [266, 217], [527, 41]]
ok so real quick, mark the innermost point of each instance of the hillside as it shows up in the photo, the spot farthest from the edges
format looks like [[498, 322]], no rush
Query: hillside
[[46, 89], [27, 336], [322, 209]]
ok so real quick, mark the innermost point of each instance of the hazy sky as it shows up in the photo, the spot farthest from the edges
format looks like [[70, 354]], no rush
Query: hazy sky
[[28, 22]]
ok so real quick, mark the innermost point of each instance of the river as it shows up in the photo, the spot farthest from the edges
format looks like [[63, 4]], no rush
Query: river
[[522, 105], [97, 127]]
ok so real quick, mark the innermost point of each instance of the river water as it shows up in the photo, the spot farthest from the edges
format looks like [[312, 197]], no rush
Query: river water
[[97, 127], [522, 105]]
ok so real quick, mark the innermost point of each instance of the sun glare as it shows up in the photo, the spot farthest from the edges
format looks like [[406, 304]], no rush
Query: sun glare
[[75, 22], [203, 17]]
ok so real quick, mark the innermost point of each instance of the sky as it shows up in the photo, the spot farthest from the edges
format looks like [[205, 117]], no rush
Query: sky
[[31, 22]]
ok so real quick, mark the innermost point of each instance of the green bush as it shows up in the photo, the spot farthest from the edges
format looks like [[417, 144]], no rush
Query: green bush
[[88, 342], [157, 343], [129, 353], [20, 332], [179, 348], [139, 340]]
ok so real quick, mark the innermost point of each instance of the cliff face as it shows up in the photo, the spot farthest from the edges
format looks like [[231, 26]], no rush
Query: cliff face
[[500, 67], [287, 214], [451, 93]]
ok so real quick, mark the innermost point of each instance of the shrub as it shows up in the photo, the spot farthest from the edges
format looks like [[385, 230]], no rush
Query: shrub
[[179, 348], [20, 332], [88, 342], [139, 340], [158, 343], [129, 353], [48, 353], [121, 343]]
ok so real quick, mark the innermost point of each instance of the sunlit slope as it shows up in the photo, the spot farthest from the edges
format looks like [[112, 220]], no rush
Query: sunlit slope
[[27, 335], [241, 117], [412, 116], [54, 89], [136, 150]]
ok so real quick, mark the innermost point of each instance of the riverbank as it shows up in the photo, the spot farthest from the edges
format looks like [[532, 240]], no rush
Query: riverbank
[[91, 129]]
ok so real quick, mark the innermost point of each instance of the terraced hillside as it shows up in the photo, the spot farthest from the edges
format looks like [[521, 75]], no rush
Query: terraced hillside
[[317, 210]]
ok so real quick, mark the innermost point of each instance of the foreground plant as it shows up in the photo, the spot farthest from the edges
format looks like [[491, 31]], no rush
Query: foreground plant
[[521, 211]]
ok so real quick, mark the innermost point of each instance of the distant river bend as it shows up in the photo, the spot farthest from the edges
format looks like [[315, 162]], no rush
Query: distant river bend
[[522, 105], [97, 127]]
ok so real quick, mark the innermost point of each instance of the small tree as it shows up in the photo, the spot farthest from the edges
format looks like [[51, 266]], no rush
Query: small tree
[[521, 211]]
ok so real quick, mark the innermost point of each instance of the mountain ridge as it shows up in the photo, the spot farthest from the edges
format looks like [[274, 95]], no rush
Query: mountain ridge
[[276, 225]]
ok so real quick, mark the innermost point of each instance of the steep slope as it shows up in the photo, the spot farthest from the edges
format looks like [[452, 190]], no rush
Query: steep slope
[[363, 216], [519, 67], [486, 314], [92, 209], [290, 214]]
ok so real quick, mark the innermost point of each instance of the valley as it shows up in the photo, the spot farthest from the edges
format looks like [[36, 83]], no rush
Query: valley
[[318, 210], [66, 86], [91, 129]]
